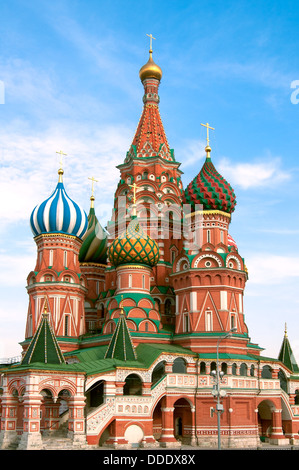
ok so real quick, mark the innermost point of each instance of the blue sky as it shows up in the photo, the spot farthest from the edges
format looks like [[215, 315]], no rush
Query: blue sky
[[69, 71]]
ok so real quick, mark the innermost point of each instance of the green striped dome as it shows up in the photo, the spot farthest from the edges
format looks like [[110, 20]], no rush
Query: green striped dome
[[94, 246], [133, 246], [210, 189]]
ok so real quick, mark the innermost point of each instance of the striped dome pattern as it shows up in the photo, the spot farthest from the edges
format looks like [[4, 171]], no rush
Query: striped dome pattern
[[133, 246], [94, 246], [211, 190], [58, 214]]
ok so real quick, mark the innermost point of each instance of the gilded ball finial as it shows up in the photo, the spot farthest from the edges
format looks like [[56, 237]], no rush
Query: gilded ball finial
[[150, 69]]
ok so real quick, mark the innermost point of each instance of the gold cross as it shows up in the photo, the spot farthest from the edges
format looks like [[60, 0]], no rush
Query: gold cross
[[61, 154], [208, 127], [93, 181], [151, 42], [134, 186]]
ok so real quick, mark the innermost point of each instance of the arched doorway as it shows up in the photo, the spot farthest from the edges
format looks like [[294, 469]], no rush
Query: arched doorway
[[182, 420], [157, 420], [265, 421]]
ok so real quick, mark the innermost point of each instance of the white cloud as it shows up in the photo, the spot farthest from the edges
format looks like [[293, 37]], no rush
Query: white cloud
[[29, 165], [269, 269], [250, 175]]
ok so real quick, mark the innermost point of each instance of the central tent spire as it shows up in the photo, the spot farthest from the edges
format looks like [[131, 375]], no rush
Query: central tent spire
[[150, 138]]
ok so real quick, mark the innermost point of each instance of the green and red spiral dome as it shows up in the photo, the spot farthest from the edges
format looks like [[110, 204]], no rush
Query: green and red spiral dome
[[210, 189]]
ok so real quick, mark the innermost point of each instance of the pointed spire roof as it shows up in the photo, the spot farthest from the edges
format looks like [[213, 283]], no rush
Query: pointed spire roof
[[150, 138], [121, 345], [286, 355], [44, 346]]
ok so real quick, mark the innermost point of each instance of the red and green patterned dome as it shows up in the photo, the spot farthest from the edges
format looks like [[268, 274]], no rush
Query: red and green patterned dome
[[210, 189], [133, 246]]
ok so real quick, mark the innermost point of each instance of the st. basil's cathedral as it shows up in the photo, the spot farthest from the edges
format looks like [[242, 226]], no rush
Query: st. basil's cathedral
[[135, 333]]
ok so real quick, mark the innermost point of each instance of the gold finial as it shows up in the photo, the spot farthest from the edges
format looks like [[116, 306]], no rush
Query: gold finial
[[285, 330], [45, 313], [121, 305], [92, 190], [60, 171], [208, 148], [150, 69], [151, 42], [134, 186]]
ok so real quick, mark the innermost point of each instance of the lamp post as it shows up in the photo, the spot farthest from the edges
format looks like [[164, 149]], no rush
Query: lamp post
[[216, 392]]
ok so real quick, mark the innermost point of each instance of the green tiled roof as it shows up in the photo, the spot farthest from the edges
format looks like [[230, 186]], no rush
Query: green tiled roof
[[44, 347], [121, 346], [286, 355]]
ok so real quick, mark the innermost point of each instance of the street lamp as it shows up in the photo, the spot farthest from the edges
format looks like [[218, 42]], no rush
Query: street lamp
[[216, 392]]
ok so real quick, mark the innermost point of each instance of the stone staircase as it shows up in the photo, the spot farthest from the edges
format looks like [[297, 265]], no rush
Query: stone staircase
[[58, 439]]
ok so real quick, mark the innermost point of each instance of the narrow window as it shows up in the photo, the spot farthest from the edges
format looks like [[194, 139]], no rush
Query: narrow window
[[208, 321], [51, 258], [221, 236], [66, 325], [186, 323], [208, 236], [65, 259]]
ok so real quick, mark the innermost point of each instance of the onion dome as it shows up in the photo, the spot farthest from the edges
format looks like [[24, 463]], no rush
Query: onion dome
[[94, 246], [133, 246], [210, 189], [150, 69], [231, 241], [59, 214]]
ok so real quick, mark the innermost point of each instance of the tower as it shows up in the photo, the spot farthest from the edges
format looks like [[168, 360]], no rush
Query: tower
[[93, 262], [209, 276], [58, 224], [150, 167]]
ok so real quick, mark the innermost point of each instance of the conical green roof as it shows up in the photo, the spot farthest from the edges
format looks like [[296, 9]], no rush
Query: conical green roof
[[121, 346], [44, 346], [286, 355]]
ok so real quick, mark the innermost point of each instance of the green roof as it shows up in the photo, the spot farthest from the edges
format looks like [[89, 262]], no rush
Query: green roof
[[286, 355], [121, 346], [43, 347]]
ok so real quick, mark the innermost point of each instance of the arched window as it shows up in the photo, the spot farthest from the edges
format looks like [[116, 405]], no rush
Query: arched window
[[202, 369], [283, 381], [158, 372], [168, 307], [266, 372], [234, 369], [179, 366], [243, 369], [133, 385]]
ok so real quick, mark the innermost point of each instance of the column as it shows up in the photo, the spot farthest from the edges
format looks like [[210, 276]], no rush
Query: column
[[8, 433], [167, 438], [76, 429], [31, 437], [277, 436]]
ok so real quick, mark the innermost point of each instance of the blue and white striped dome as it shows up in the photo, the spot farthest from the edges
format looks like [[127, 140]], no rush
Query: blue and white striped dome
[[59, 214]]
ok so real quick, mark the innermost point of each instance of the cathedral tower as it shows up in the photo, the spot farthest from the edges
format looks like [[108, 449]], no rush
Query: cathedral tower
[[58, 224], [209, 277]]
